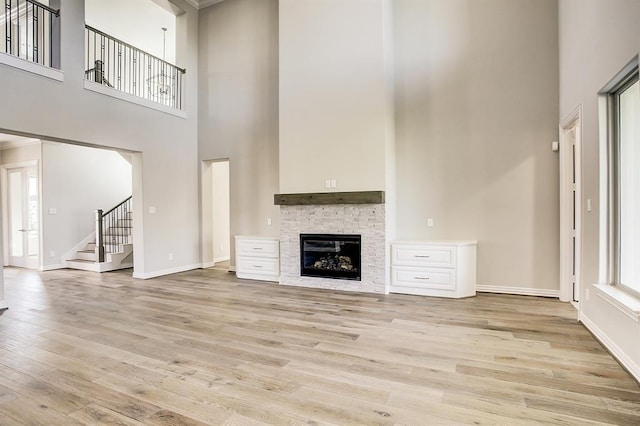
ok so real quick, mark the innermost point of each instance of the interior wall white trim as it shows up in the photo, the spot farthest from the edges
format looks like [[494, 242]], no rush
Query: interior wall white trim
[[206, 265], [221, 259], [574, 118], [518, 290], [627, 362], [53, 267], [201, 4], [115, 93], [82, 244], [193, 3], [205, 3], [32, 67], [162, 272]]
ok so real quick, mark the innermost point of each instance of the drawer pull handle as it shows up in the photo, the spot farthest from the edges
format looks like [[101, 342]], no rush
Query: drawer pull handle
[[257, 266], [421, 278], [422, 255], [257, 248]]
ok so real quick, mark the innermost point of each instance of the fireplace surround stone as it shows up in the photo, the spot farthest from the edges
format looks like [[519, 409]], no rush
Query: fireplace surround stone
[[367, 220]]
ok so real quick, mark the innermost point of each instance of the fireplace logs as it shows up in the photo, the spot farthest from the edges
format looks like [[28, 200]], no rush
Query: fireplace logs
[[330, 256]]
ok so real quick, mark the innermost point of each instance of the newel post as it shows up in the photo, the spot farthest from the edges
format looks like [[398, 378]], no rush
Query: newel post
[[99, 237]]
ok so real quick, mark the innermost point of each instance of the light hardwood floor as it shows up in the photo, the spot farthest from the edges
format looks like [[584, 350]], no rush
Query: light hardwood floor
[[204, 348]]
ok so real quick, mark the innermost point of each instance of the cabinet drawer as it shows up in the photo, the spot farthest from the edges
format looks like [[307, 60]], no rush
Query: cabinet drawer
[[258, 266], [257, 248], [423, 256], [431, 278]]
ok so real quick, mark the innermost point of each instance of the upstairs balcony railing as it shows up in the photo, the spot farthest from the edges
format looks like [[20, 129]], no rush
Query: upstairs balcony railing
[[119, 65], [31, 31]]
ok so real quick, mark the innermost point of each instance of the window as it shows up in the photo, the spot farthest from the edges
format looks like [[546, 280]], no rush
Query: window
[[628, 186], [623, 181]]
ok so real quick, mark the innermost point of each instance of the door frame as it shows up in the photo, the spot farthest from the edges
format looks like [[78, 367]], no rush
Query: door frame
[[567, 164], [207, 239], [4, 176]]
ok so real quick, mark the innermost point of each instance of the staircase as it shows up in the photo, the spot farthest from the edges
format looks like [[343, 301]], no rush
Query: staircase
[[111, 247]]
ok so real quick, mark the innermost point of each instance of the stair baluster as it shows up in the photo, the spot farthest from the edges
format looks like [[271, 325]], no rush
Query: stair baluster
[[111, 232]]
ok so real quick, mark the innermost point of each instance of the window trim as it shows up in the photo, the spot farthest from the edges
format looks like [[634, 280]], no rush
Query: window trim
[[620, 296], [614, 172]]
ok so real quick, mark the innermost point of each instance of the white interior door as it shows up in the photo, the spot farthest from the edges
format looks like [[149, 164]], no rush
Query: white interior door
[[23, 208], [570, 209]]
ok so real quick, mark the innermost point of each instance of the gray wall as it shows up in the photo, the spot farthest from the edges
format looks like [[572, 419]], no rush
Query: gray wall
[[167, 175], [597, 39], [335, 107], [476, 111], [239, 107], [76, 181]]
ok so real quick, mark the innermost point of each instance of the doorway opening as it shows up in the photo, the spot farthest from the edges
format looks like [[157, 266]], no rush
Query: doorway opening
[[216, 227], [51, 192], [570, 207]]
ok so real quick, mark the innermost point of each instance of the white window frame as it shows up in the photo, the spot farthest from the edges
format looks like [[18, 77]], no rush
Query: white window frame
[[619, 296]]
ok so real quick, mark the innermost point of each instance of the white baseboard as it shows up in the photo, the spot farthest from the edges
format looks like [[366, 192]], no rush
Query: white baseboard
[[232, 268], [3, 305], [147, 275], [221, 259], [518, 290], [53, 267], [208, 265], [631, 365]]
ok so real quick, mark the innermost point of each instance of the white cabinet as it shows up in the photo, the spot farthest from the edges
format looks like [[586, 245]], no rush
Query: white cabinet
[[258, 258], [434, 268]]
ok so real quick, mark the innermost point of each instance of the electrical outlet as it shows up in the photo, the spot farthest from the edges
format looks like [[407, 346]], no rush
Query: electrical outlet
[[170, 256], [333, 183], [587, 294], [52, 253], [269, 221], [221, 247], [430, 223], [327, 183]]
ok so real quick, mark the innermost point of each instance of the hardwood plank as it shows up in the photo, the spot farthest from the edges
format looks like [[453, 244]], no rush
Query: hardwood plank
[[103, 398], [95, 414], [582, 411], [169, 418], [201, 347], [27, 411]]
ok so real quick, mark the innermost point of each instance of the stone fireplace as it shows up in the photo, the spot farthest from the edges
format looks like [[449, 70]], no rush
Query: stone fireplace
[[336, 214], [336, 130]]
